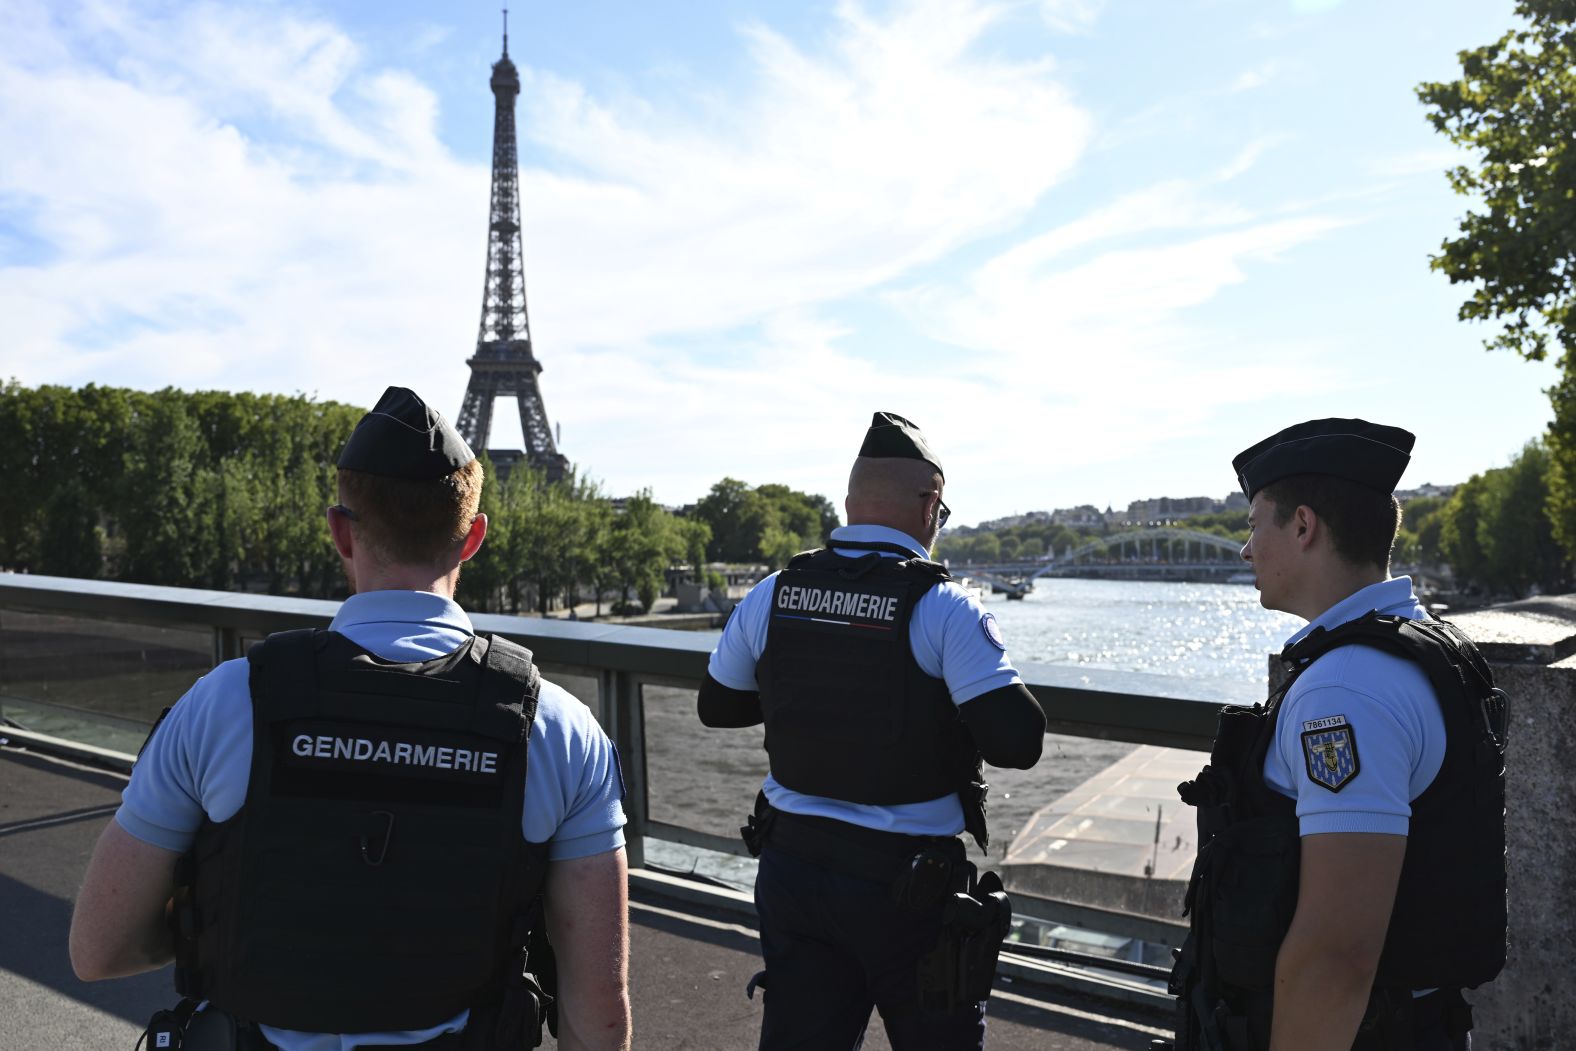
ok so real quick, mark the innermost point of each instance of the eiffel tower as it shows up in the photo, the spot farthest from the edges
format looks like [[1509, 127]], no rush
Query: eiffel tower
[[504, 365]]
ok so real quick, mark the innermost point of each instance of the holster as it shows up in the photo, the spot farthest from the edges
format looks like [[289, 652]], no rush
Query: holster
[[184, 1028], [959, 970], [972, 796], [527, 1001], [757, 826]]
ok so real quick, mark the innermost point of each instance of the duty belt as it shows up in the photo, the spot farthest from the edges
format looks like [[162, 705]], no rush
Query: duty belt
[[851, 850]]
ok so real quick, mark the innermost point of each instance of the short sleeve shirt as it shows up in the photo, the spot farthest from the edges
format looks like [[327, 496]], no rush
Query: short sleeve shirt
[[1360, 733], [953, 638], [198, 763]]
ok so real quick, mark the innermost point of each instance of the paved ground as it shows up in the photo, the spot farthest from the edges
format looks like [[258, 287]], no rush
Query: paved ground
[[689, 965]]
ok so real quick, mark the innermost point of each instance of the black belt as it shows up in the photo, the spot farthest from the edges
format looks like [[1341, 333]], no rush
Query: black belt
[[852, 850]]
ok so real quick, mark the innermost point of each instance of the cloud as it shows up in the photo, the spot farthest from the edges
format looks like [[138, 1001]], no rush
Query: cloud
[[1257, 77], [243, 198], [248, 199], [1435, 162], [1076, 313], [1071, 16]]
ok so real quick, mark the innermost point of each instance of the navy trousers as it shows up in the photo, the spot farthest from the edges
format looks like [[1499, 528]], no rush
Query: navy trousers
[[835, 947]]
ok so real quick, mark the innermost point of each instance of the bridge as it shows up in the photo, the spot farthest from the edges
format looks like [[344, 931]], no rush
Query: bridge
[[86, 665], [1157, 553]]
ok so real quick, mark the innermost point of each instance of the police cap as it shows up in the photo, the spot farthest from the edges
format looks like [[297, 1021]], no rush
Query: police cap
[[404, 437], [890, 435], [1370, 454]]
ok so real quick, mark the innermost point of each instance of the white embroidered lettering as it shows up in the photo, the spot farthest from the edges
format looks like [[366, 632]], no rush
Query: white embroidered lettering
[[302, 745]]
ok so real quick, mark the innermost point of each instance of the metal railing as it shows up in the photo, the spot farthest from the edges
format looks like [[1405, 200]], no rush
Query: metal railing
[[623, 659]]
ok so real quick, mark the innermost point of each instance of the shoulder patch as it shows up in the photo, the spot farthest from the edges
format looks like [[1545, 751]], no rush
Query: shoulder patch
[[992, 631], [1329, 747]]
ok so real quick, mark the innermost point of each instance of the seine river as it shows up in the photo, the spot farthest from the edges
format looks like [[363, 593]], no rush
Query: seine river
[[1210, 639], [1206, 642]]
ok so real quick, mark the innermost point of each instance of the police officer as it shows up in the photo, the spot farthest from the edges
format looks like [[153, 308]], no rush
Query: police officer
[[1351, 873], [881, 684], [356, 848]]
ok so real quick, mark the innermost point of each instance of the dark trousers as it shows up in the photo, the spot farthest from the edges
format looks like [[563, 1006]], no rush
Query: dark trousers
[[836, 946], [1436, 1021]]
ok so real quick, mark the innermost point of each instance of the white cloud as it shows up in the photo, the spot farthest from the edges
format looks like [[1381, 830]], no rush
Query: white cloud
[[1095, 322], [246, 199], [241, 198], [1071, 16], [1433, 162], [1257, 77]]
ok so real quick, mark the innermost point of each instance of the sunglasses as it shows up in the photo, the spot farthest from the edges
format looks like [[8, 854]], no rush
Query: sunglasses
[[943, 512]]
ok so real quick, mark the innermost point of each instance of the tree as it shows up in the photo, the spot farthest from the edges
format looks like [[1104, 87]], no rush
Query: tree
[[1516, 535], [1494, 534], [1515, 107], [71, 543], [778, 545], [741, 518], [642, 543]]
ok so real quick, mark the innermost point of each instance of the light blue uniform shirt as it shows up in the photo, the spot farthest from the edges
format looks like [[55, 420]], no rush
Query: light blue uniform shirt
[[1388, 707], [199, 762], [951, 637]]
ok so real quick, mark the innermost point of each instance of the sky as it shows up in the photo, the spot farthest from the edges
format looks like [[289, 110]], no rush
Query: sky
[[1094, 249]]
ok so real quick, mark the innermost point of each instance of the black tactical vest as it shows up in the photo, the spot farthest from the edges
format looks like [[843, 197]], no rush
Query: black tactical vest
[[849, 713], [1447, 929], [376, 877]]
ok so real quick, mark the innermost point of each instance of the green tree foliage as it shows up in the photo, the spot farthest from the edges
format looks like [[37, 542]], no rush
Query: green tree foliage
[[1494, 533], [1514, 107], [227, 491], [205, 489], [641, 543], [1418, 541], [747, 522]]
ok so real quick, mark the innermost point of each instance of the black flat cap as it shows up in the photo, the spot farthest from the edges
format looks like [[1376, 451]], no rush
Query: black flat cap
[[890, 435], [404, 437], [1370, 454]]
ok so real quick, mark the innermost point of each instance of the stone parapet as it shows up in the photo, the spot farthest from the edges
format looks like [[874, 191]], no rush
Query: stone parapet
[[1532, 646]]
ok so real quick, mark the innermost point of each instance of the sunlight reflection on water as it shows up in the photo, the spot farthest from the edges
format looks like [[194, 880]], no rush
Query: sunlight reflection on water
[[1215, 633]]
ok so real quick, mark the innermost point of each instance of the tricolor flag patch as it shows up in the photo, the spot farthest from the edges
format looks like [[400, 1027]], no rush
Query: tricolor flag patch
[[1329, 747]]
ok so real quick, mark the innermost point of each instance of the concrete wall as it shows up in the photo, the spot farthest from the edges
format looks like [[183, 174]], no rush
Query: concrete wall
[[1533, 1002]]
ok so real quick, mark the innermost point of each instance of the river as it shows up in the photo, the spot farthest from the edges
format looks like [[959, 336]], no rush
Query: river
[[1213, 637], [1201, 641]]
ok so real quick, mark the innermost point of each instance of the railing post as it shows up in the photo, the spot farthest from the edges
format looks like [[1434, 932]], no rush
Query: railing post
[[623, 709], [226, 645]]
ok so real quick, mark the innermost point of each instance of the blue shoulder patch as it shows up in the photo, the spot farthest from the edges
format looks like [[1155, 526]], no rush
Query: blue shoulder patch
[[993, 631], [1331, 755]]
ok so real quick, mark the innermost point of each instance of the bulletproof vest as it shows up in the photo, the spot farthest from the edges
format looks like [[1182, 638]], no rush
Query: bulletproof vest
[[376, 876], [849, 713], [1447, 928]]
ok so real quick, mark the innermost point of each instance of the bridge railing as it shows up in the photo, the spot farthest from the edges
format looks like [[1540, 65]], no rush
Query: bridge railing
[[609, 666]]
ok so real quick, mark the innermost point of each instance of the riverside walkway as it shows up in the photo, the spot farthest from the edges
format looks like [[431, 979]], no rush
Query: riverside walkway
[[689, 962]]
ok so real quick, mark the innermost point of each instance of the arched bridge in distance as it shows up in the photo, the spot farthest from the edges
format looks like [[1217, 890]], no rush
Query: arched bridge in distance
[[1154, 553]]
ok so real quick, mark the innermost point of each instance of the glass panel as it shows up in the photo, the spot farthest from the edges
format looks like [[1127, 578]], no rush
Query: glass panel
[[100, 682], [698, 777], [584, 688]]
